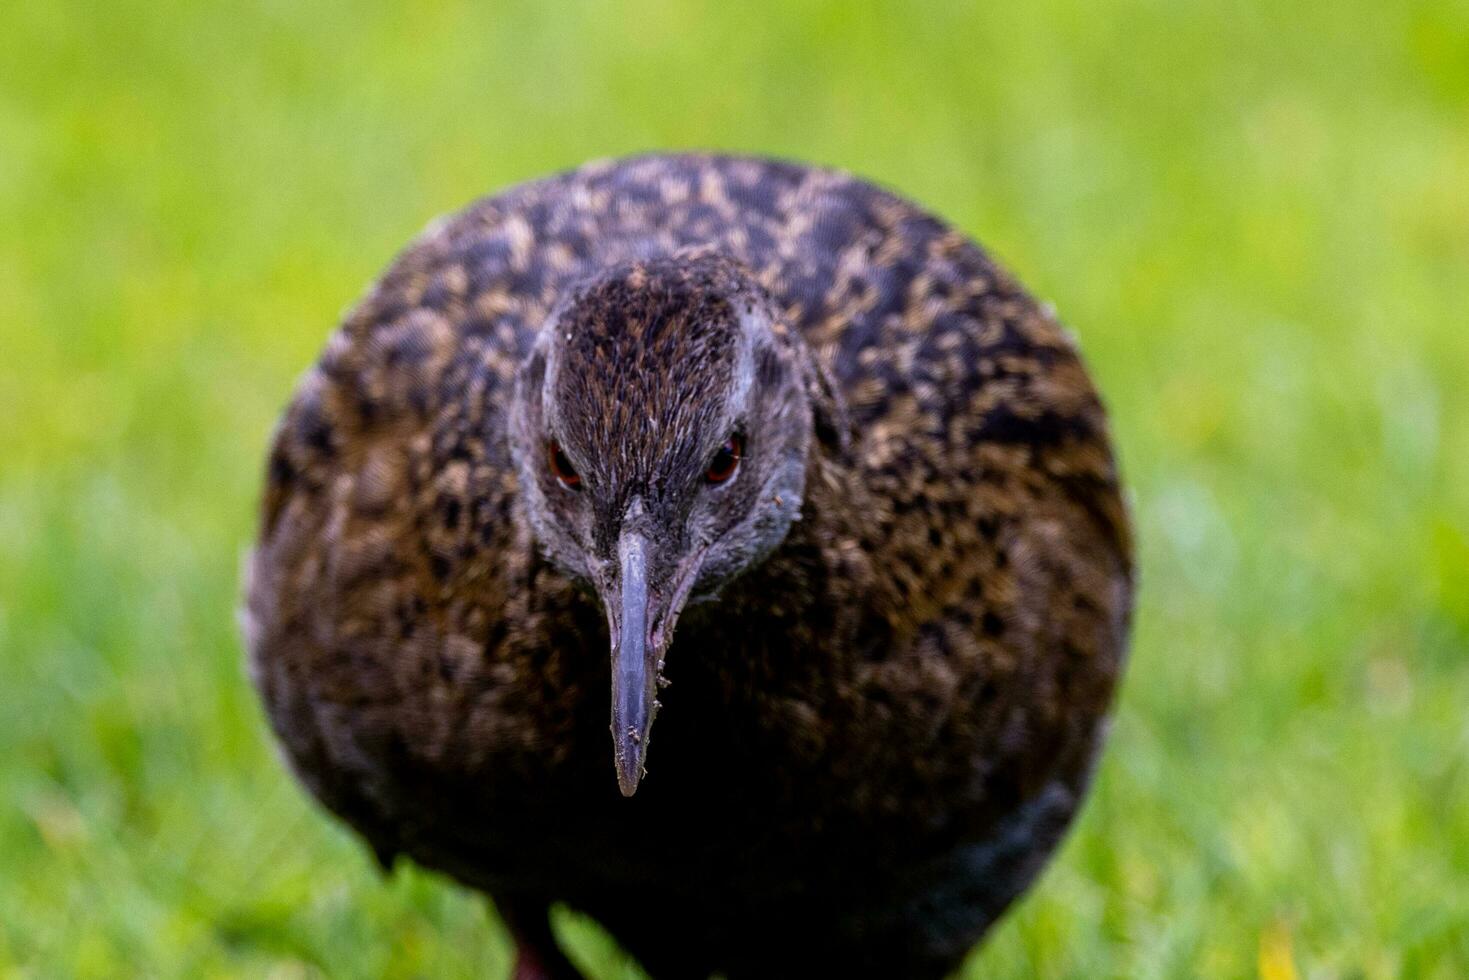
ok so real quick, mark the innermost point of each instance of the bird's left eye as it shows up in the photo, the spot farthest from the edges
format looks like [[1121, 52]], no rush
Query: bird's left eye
[[726, 461]]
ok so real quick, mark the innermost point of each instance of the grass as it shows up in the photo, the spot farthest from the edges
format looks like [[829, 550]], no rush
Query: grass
[[1255, 215]]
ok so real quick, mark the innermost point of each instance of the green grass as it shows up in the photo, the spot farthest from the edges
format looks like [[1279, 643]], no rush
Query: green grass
[[1254, 214]]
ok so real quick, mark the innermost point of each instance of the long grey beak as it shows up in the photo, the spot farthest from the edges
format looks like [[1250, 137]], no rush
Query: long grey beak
[[633, 677]]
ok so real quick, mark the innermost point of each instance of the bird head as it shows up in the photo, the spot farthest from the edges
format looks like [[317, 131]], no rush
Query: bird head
[[660, 427]]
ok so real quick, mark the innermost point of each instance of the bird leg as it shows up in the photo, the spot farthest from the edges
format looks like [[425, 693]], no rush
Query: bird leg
[[537, 955]]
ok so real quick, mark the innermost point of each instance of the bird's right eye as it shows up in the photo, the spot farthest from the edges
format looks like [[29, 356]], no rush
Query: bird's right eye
[[561, 467]]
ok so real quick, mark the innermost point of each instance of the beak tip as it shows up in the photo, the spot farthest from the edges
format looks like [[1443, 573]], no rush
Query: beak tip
[[629, 774]]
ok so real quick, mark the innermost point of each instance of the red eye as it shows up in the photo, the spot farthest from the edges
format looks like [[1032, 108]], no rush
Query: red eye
[[726, 461], [561, 467]]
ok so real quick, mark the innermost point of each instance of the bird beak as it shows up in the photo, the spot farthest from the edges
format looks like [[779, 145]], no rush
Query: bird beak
[[640, 620], [633, 678]]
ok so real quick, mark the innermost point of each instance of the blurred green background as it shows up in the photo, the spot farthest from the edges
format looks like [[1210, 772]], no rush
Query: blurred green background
[[1255, 215]]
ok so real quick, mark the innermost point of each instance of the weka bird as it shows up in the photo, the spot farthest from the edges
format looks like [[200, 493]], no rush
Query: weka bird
[[815, 427]]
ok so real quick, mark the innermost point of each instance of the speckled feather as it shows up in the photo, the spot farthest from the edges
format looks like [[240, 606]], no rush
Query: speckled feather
[[873, 738]]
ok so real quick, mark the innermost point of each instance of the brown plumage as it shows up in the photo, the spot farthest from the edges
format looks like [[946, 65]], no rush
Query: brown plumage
[[820, 430]]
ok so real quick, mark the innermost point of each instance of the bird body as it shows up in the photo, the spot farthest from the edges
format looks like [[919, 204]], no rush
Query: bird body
[[818, 429]]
